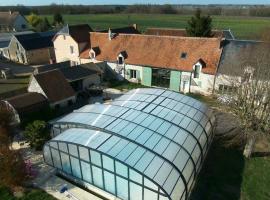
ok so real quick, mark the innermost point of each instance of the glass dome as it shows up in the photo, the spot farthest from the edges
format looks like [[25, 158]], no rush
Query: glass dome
[[147, 144]]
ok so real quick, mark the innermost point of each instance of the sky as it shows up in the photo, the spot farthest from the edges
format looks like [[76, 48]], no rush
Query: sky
[[102, 2]]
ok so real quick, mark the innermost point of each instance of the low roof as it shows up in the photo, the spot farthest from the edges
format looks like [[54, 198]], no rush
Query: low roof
[[77, 72], [49, 67], [181, 32], [26, 100], [8, 18], [79, 32], [54, 85], [238, 54], [71, 73], [158, 51], [36, 40]]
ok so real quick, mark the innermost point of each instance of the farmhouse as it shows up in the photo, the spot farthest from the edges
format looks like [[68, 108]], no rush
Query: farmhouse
[[5, 39], [72, 40], [183, 64], [54, 87], [12, 22], [239, 61], [33, 48], [80, 77]]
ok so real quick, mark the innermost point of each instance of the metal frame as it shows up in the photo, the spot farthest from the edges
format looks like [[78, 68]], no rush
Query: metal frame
[[161, 92]]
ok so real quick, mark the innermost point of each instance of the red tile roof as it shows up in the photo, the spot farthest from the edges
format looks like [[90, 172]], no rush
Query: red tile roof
[[158, 51], [24, 101]]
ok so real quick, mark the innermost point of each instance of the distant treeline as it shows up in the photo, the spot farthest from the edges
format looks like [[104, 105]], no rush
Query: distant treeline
[[225, 10]]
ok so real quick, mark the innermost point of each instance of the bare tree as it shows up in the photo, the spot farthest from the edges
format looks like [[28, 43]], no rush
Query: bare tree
[[250, 89]]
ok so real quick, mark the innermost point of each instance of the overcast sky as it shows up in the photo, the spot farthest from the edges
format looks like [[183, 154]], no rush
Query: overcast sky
[[93, 2]]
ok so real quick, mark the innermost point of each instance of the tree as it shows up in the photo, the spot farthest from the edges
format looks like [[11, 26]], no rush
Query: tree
[[58, 19], [12, 166], [44, 25], [250, 96], [34, 20], [37, 134], [199, 26]]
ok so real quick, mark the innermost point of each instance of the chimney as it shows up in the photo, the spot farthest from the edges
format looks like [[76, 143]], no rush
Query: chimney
[[135, 26], [110, 34]]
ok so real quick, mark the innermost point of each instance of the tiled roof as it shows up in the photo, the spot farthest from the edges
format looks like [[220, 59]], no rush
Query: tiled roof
[[26, 100], [77, 72], [238, 54], [158, 51], [7, 18], [126, 30], [54, 85], [49, 67], [80, 32], [36, 40]]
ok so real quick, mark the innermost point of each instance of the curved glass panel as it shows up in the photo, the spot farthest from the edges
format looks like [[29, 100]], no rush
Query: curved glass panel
[[148, 142]]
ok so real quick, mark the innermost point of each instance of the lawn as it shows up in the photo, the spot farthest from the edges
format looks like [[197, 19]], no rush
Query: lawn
[[226, 174], [242, 27], [34, 194]]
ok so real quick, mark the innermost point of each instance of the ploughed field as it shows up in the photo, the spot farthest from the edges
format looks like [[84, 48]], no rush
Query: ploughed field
[[242, 27]]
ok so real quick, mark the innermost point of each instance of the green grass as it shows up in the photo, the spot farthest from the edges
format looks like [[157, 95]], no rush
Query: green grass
[[226, 174], [242, 27], [256, 179], [34, 194], [125, 85]]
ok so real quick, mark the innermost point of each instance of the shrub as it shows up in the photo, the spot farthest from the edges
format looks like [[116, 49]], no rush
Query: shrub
[[37, 133]]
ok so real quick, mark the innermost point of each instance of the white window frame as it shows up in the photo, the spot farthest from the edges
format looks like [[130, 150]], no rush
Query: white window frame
[[123, 60]]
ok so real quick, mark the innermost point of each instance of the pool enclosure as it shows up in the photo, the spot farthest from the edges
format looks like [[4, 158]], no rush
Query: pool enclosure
[[148, 144]]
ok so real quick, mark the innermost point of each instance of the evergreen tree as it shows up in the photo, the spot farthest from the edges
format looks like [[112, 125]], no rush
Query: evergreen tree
[[44, 25], [58, 19], [199, 26]]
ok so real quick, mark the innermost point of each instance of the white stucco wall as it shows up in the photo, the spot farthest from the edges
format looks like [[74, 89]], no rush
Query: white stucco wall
[[35, 87], [125, 68], [62, 49]]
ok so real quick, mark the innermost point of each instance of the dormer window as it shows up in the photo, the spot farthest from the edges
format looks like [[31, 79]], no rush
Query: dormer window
[[121, 57], [120, 60], [183, 55], [92, 55], [94, 52]]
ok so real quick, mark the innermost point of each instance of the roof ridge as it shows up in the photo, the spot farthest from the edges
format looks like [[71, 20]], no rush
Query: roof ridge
[[161, 36]]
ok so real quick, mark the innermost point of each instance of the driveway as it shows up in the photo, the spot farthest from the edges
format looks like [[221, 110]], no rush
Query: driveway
[[17, 69]]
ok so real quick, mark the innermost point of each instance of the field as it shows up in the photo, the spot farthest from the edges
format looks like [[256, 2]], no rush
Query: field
[[242, 27]]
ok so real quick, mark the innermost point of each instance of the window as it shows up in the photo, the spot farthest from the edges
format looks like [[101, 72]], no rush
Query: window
[[161, 77], [120, 60], [64, 37], [17, 45], [183, 55], [71, 49], [133, 73], [197, 71], [92, 55], [23, 26]]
